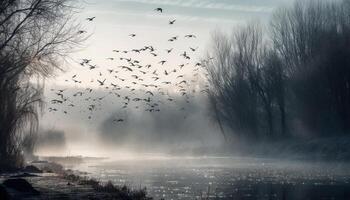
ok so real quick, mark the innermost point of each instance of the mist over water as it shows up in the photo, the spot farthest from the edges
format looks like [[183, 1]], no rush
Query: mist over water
[[173, 177], [181, 127], [181, 154]]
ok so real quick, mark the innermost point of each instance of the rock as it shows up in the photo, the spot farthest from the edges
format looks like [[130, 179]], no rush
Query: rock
[[4, 195], [21, 185], [32, 169]]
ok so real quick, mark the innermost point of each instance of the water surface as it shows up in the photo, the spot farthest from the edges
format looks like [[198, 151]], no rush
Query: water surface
[[226, 177]]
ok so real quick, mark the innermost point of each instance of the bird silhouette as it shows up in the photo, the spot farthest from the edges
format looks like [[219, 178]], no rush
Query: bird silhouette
[[190, 36], [149, 92], [159, 10], [118, 120], [101, 82], [92, 67], [90, 18], [171, 22], [193, 49]]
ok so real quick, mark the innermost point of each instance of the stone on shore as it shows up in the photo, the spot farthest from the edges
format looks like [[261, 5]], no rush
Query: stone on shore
[[20, 185]]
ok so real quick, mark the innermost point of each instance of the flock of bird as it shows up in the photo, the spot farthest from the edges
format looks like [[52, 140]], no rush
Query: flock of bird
[[136, 84]]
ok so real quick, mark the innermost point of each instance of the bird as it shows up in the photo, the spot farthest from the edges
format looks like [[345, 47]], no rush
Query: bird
[[86, 61], [149, 92], [92, 67], [169, 50], [81, 31], [118, 120], [127, 68], [171, 22], [162, 62], [114, 85], [101, 82], [173, 38], [198, 64], [184, 54], [190, 36], [90, 18], [52, 109], [159, 10], [193, 49], [132, 35]]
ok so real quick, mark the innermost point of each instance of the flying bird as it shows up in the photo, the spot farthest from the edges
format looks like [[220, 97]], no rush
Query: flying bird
[[90, 18], [101, 82], [149, 92], [118, 120], [171, 22], [159, 10], [190, 36], [193, 49]]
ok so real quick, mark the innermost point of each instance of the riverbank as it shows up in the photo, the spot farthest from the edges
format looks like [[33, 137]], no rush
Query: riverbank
[[45, 180]]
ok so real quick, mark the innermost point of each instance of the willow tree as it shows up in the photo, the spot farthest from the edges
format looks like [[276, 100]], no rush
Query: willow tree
[[35, 38]]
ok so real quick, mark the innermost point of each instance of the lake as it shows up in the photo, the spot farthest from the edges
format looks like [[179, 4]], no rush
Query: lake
[[226, 177]]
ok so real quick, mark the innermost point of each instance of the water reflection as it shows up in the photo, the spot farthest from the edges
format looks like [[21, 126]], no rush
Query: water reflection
[[228, 178]]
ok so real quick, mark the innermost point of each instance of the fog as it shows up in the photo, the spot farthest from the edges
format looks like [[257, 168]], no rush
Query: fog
[[182, 126]]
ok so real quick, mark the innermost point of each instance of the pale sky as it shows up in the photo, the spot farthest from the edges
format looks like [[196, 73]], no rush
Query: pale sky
[[115, 21]]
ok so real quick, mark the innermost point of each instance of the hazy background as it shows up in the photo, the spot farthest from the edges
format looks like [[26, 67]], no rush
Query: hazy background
[[179, 126]]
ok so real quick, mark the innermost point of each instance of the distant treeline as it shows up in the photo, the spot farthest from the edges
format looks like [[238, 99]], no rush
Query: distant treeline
[[293, 78]]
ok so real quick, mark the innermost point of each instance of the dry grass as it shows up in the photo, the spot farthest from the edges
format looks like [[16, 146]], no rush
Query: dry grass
[[118, 192]]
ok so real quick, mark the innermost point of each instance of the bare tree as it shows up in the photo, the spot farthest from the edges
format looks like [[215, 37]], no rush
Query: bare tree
[[301, 73], [312, 38], [35, 38], [233, 78]]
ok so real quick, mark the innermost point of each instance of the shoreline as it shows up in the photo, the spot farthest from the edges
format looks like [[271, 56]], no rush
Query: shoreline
[[52, 181]]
